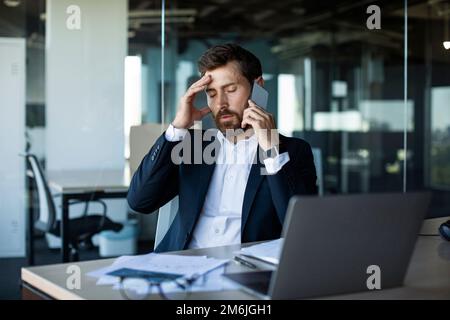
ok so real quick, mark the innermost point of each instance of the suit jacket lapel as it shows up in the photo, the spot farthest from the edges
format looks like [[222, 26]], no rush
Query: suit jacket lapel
[[254, 180]]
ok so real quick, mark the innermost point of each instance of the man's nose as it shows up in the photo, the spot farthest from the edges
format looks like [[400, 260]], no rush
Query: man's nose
[[222, 101]]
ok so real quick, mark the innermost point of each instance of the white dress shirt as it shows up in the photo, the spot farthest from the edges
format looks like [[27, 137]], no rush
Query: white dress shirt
[[219, 223]]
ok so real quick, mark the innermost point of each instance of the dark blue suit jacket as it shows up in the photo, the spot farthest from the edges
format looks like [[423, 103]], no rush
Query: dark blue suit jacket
[[158, 180]]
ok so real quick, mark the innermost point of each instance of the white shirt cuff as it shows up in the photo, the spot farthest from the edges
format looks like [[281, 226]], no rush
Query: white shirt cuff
[[273, 165], [174, 134]]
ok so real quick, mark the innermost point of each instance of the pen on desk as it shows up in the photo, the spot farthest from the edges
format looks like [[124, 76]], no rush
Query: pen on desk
[[244, 262]]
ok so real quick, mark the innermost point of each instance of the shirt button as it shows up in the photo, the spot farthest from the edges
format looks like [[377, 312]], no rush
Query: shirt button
[[216, 231]]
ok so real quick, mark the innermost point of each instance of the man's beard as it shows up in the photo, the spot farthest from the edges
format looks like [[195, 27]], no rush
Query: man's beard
[[233, 122]]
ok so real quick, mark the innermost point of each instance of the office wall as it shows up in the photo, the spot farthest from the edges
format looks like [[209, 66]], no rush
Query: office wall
[[12, 142], [85, 89], [85, 85]]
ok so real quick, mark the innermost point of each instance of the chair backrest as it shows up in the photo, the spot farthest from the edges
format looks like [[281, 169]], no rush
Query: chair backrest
[[165, 218], [142, 138], [317, 154], [47, 211]]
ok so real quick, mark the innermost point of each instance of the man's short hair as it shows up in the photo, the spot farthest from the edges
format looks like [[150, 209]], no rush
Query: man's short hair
[[220, 55]]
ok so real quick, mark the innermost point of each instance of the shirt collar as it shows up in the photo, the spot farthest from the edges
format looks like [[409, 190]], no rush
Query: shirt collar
[[223, 140]]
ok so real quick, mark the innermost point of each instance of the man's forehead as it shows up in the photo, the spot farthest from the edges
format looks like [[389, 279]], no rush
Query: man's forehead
[[225, 75]]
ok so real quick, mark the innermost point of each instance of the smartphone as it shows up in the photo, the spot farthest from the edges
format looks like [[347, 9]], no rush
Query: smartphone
[[259, 95]]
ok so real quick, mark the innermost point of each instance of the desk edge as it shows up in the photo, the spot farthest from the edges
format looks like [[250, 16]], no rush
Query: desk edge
[[47, 286]]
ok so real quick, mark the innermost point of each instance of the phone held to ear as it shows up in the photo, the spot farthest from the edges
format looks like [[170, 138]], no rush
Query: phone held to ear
[[259, 95]]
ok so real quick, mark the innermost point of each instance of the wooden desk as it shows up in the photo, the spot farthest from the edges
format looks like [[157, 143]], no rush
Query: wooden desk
[[85, 185], [428, 277]]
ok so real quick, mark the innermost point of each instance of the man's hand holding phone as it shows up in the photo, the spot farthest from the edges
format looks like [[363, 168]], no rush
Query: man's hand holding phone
[[261, 121], [187, 113]]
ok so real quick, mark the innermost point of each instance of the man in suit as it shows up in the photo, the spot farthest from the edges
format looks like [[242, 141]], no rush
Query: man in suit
[[236, 198]]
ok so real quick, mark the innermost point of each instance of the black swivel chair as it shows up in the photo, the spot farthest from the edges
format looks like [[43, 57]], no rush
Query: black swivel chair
[[81, 229]]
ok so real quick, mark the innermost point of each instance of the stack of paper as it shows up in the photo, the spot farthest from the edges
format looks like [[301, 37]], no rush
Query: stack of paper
[[268, 252], [187, 266]]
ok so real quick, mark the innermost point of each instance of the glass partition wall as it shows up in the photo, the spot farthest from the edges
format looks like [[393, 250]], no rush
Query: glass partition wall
[[429, 88], [335, 72]]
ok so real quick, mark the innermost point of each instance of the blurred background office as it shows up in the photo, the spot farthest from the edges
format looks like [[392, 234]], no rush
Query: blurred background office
[[83, 83]]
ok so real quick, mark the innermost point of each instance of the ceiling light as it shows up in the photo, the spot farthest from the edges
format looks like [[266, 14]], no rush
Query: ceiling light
[[11, 3]]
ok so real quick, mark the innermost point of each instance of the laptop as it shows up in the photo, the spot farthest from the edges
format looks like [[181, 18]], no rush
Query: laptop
[[331, 245]]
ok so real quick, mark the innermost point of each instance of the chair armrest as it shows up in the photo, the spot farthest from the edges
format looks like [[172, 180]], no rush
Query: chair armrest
[[103, 204], [86, 208]]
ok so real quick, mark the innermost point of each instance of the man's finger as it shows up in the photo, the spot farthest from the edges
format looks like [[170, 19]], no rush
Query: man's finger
[[192, 91], [200, 113], [260, 111], [199, 81], [203, 80], [254, 105], [254, 115], [247, 120], [204, 111]]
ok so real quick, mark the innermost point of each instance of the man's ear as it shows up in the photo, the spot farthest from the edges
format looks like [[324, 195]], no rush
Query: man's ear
[[260, 81]]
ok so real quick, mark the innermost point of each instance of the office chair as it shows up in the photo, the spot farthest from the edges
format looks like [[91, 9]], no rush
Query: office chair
[[317, 154], [166, 215], [81, 229], [142, 137]]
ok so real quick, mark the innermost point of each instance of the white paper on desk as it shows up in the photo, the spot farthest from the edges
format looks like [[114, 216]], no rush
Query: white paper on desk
[[176, 264], [268, 251], [212, 281]]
